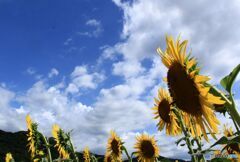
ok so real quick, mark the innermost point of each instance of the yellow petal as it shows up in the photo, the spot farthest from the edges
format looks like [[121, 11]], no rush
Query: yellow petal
[[214, 100], [204, 91], [191, 63], [201, 78]]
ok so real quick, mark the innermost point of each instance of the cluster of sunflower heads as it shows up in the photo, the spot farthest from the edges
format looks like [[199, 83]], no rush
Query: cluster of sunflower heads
[[39, 146], [186, 107], [188, 93], [146, 149], [189, 104]]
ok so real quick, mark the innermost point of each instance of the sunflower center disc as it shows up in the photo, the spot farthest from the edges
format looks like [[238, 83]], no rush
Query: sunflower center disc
[[147, 149], [115, 147], [183, 89], [164, 110]]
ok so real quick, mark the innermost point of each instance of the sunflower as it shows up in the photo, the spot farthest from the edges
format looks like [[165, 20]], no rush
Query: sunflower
[[9, 158], [146, 148], [86, 155], [61, 145], [188, 88], [34, 140], [31, 137], [114, 147], [162, 110], [108, 158], [232, 148]]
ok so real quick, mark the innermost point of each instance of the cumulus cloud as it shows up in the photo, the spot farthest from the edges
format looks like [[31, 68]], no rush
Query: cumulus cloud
[[9, 118], [212, 32], [90, 124], [82, 78]]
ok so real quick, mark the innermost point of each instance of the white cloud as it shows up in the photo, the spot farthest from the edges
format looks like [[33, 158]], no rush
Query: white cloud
[[53, 72], [9, 119], [82, 78], [96, 31], [127, 68], [93, 22], [209, 26]]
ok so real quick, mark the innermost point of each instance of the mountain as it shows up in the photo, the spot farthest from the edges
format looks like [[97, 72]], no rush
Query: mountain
[[16, 144]]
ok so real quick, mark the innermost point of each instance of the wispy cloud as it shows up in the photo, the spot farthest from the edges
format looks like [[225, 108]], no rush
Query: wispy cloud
[[68, 41], [32, 71], [53, 72], [95, 28]]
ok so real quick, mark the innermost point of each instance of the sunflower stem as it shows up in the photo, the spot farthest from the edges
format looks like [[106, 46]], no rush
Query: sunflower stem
[[94, 159], [73, 150], [234, 113], [126, 152], [198, 141], [186, 134], [235, 124], [47, 147]]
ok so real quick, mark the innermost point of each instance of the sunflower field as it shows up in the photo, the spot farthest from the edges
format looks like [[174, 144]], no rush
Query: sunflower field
[[186, 110]]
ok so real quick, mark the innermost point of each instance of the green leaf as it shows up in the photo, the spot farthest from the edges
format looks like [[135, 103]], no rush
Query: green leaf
[[179, 140], [221, 141], [228, 80], [235, 140], [224, 140]]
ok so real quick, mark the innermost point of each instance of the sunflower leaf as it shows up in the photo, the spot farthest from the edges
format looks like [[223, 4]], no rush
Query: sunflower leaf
[[179, 140], [228, 141], [235, 140], [222, 140], [228, 80]]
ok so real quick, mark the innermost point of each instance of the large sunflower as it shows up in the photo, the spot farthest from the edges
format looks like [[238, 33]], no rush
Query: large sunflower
[[146, 148], [162, 110], [114, 147], [188, 89], [60, 141], [86, 155], [232, 148]]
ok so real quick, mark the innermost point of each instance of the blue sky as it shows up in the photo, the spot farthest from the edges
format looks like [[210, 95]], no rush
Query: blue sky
[[92, 66], [44, 34]]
